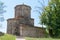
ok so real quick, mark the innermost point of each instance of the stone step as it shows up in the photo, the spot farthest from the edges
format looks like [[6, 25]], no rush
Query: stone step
[[20, 39]]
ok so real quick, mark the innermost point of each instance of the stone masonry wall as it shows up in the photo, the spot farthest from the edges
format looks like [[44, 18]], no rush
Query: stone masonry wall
[[29, 31]]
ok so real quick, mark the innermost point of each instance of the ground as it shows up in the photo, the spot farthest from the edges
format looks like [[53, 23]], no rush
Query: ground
[[11, 37], [28, 38], [7, 37], [20, 38]]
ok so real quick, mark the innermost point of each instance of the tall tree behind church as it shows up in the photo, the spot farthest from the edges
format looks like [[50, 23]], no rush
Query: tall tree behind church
[[52, 18]]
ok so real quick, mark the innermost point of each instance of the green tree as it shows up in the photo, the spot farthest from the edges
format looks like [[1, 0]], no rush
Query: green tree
[[2, 11], [50, 18]]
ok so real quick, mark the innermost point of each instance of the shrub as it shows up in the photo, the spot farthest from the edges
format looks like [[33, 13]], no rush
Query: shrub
[[1, 33]]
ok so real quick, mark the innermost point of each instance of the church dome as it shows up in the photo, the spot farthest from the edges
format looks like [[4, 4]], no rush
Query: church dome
[[22, 6], [22, 11]]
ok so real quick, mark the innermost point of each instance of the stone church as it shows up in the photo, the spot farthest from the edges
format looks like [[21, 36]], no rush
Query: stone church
[[22, 24]]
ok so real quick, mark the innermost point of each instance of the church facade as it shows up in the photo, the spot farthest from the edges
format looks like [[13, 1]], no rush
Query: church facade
[[22, 24]]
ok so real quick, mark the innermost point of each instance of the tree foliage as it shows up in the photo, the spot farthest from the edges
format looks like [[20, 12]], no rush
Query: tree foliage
[[2, 11], [50, 17]]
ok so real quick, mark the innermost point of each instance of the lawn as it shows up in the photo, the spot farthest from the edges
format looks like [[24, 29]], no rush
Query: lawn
[[27, 38], [7, 37]]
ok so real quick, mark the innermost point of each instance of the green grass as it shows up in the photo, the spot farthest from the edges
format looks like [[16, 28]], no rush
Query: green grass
[[7, 37], [27, 38]]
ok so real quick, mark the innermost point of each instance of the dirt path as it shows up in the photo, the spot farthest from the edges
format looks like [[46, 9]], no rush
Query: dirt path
[[20, 39]]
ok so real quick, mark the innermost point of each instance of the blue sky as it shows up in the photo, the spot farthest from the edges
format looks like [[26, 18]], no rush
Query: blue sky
[[10, 4]]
